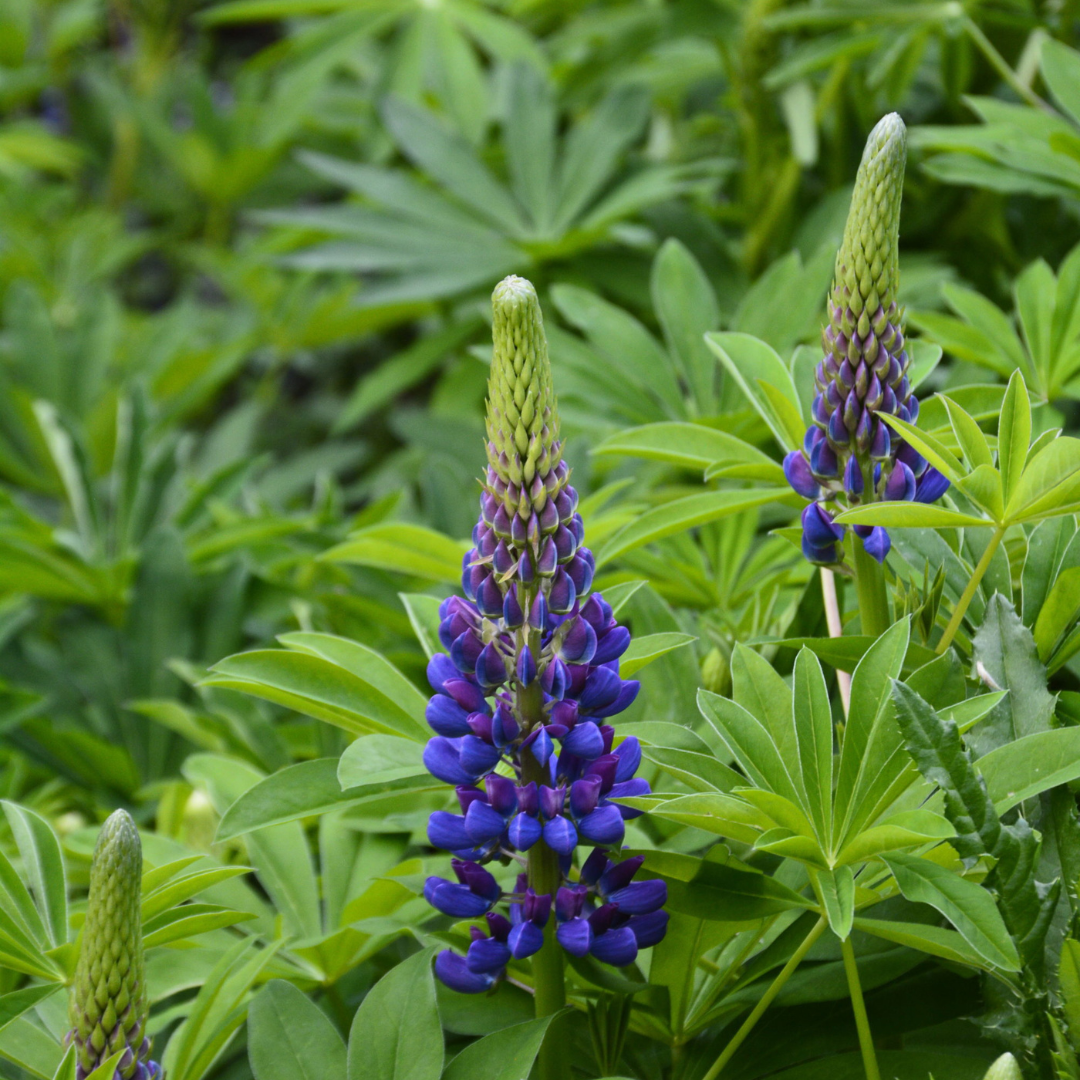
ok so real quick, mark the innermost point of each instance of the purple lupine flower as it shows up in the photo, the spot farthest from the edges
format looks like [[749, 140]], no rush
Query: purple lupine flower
[[525, 690], [850, 454]]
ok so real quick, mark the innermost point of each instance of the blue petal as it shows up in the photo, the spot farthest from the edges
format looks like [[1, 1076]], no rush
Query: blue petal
[[442, 758], [575, 936], [446, 716], [447, 831], [602, 826], [487, 956], [560, 835], [640, 897], [525, 939], [452, 970], [649, 929], [458, 901], [524, 831], [617, 947]]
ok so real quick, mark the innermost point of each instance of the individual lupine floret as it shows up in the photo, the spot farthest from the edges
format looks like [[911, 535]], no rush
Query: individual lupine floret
[[850, 453], [108, 1007], [529, 678]]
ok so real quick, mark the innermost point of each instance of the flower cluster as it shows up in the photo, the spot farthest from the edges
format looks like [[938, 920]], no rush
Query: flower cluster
[[108, 1003], [850, 453], [522, 693]]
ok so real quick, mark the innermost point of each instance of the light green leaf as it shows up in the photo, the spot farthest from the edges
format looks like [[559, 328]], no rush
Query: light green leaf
[[1035, 763], [403, 548], [814, 740], [644, 650], [838, 895], [44, 864], [754, 366], [290, 1038], [316, 687], [1050, 483], [504, 1055], [909, 515], [1014, 434], [682, 514], [423, 612], [934, 940], [396, 1034], [1058, 613], [690, 446], [969, 907]]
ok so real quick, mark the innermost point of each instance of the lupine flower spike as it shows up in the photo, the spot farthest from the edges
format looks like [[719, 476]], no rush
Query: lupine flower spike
[[108, 1002], [850, 455], [528, 680]]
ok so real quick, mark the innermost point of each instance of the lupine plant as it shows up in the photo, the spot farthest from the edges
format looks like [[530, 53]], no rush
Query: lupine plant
[[531, 637]]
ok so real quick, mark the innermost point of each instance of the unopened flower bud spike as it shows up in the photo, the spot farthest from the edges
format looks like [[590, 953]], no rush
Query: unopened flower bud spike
[[109, 1007]]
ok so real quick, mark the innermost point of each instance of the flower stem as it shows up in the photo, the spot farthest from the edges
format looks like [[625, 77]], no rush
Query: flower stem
[[866, 1041], [545, 876], [836, 629], [870, 586], [969, 591], [767, 999], [1001, 66]]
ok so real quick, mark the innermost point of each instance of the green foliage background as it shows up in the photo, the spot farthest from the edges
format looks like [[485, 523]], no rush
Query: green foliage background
[[246, 249]]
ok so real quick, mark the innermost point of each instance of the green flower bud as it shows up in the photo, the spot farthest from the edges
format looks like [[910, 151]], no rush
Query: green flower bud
[[522, 418], [1005, 1068], [867, 273], [108, 1002]]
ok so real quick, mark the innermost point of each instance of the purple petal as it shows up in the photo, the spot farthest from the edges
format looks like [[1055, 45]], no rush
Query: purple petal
[[575, 936], [640, 897], [453, 972], [603, 826], [617, 947]]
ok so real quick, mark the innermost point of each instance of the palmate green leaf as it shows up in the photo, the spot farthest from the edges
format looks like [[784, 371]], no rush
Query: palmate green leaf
[[838, 897], [1035, 763], [686, 307], [299, 791], [870, 760], [396, 1033], [291, 1038], [1051, 548], [701, 772], [343, 682], [1058, 614], [910, 828], [403, 548], [934, 940], [1050, 483], [910, 515], [624, 342], [188, 921], [1014, 435], [765, 380], [720, 891], [176, 891], [44, 865], [683, 514], [969, 907], [723, 815], [753, 747], [504, 1055], [642, 651], [690, 446], [219, 1009], [814, 739], [760, 690], [279, 853]]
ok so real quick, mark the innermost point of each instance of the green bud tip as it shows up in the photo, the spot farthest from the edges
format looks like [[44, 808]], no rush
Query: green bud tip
[[1005, 1068], [867, 274], [108, 1002], [522, 417]]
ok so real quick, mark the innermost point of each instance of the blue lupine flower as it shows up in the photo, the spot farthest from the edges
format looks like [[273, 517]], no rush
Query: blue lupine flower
[[850, 454], [528, 622]]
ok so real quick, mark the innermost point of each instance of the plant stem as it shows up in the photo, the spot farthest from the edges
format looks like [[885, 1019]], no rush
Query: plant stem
[[969, 591], [870, 586], [767, 999], [866, 1041], [549, 983], [836, 629], [998, 63]]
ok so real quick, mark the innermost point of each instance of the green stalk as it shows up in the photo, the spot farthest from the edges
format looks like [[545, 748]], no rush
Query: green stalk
[[870, 587], [549, 981], [767, 999], [999, 64], [866, 1041], [965, 597]]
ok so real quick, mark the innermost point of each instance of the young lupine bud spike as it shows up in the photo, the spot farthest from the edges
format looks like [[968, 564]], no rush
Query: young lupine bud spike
[[1005, 1068], [108, 1001], [522, 417]]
